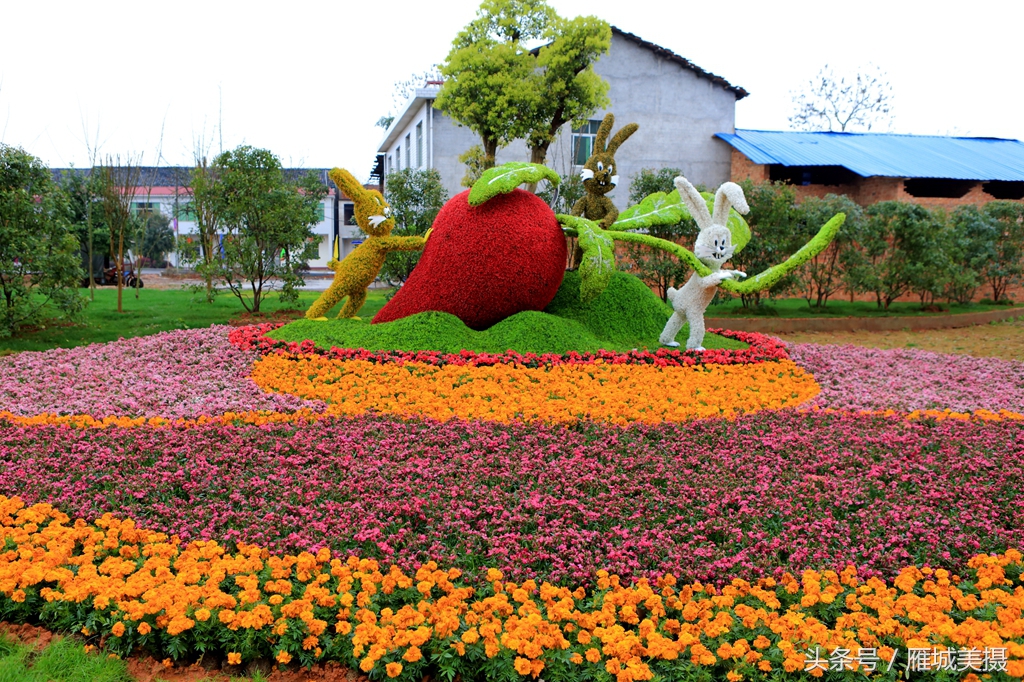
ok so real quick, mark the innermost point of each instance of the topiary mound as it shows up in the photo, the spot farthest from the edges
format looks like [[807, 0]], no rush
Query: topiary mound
[[626, 315]]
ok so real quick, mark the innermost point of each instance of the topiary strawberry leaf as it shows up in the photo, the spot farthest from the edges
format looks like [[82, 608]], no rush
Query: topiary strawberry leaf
[[655, 209], [506, 177], [598, 262]]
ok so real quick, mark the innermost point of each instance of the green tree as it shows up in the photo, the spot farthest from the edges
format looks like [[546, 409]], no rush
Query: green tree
[[202, 251], [570, 89], [39, 255], [268, 222], [823, 275], [415, 197], [503, 90], [116, 185], [487, 74], [775, 234], [158, 239], [86, 221], [658, 268], [1007, 264], [968, 242], [892, 251]]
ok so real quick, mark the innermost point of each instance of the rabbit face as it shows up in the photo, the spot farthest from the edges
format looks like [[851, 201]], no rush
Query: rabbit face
[[373, 214], [599, 174], [714, 246]]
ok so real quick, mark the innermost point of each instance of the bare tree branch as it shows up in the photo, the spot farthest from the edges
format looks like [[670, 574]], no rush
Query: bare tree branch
[[835, 101]]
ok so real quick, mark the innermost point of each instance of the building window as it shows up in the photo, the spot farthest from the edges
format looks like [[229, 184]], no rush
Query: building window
[[398, 158], [583, 141], [419, 144], [350, 214], [408, 150], [145, 208]]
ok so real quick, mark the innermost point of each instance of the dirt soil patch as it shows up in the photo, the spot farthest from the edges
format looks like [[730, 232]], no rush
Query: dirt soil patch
[[996, 340]]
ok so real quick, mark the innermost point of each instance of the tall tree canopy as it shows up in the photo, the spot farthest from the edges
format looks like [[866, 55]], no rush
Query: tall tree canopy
[[504, 85]]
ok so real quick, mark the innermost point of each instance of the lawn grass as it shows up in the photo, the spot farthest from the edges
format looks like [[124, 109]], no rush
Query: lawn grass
[[798, 307], [155, 311], [63, 660]]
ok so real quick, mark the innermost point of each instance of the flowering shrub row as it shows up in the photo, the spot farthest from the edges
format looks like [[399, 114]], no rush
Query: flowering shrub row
[[905, 379], [136, 588], [172, 375], [563, 392], [707, 500], [762, 349]]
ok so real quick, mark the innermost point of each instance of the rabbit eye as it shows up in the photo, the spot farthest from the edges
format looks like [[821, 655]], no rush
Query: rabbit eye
[[611, 169], [600, 166]]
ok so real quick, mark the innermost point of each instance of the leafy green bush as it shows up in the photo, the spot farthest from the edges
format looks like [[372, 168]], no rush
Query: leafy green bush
[[40, 263]]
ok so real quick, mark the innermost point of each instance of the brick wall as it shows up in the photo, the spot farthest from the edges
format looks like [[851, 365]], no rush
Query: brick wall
[[743, 168]]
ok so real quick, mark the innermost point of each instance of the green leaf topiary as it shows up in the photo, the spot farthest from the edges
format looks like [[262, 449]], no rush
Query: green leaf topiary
[[506, 177]]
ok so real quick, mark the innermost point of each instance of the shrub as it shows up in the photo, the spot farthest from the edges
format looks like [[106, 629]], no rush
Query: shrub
[[39, 256]]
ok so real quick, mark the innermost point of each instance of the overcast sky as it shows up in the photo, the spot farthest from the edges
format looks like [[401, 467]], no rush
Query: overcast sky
[[308, 79]]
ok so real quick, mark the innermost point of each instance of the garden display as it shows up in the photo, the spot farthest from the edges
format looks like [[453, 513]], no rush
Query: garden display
[[357, 271], [524, 485]]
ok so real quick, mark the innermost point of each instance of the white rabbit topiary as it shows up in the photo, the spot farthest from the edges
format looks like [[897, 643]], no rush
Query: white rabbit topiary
[[714, 248]]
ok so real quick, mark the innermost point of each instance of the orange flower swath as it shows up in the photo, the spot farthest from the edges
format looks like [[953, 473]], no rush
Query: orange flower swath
[[112, 572], [611, 393]]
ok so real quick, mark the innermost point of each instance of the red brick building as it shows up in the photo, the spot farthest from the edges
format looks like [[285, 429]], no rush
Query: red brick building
[[872, 167]]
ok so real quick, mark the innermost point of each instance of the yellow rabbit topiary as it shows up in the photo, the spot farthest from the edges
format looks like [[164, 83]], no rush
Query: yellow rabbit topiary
[[357, 271]]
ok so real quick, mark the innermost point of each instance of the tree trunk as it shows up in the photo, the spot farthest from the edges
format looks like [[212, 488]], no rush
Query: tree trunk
[[120, 270], [490, 151]]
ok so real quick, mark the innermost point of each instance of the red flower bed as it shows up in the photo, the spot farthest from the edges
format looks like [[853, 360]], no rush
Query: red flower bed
[[762, 349]]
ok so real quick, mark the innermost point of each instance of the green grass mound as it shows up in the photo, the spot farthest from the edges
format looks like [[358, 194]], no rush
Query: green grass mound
[[626, 316]]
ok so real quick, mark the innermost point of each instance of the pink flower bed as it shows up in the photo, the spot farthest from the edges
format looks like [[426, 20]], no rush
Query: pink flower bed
[[903, 379], [707, 500], [185, 373]]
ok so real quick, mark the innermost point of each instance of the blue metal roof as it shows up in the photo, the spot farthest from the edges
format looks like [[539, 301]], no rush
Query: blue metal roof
[[900, 156]]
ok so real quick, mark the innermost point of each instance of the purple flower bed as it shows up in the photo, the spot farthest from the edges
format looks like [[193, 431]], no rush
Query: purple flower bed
[[186, 373], [856, 378], [707, 500]]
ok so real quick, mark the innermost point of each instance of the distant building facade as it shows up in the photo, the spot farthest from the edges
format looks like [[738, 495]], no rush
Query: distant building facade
[[678, 106], [932, 171]]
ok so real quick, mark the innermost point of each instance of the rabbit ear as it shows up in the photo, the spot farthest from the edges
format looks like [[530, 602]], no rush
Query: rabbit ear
[[622, 136], [729, 195], [347, 183], [603, 131], [694, 201]]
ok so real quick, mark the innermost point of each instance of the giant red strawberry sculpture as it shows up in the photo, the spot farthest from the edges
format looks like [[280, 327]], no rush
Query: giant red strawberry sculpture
[[488, 261]]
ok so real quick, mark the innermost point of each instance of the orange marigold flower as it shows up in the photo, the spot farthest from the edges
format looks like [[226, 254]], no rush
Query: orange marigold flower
[[283, 656], [765, 666], [393, 669], [144, 628], [202, 615], [522, 665], [593, 655], [118, 629], [413, 654], [733, 676], [366, 665], [234, 658], [761, 642], [576, 658]]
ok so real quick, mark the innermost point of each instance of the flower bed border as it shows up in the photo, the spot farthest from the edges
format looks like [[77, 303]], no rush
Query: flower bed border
[[762, 349], [132, 589]]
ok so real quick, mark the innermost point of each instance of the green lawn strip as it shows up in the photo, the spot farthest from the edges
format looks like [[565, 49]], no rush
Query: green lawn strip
[[799, 308], [626, 316], [154, 311], [63, 660]]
